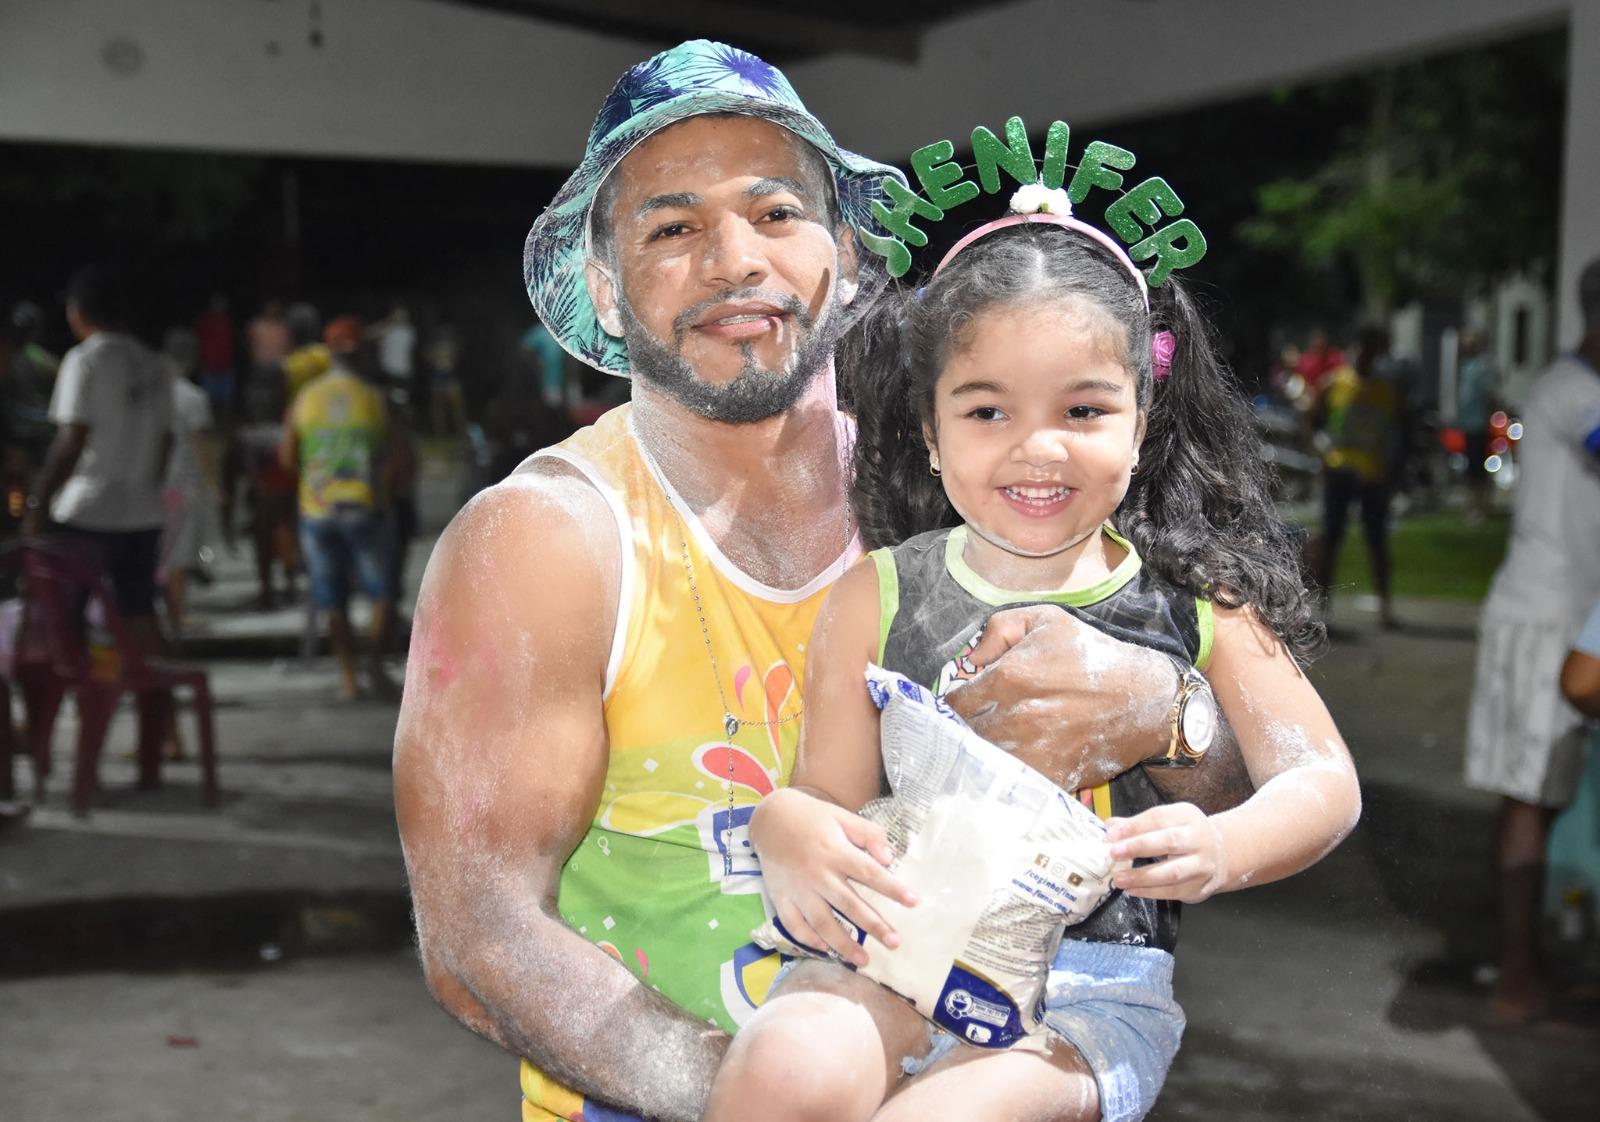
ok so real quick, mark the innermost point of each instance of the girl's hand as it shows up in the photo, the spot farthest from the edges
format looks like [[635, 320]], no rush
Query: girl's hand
[[1194, 861], [813, 855]]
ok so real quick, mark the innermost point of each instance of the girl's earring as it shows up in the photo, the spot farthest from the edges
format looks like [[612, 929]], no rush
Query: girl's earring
[[933, 467], [1135, 469]]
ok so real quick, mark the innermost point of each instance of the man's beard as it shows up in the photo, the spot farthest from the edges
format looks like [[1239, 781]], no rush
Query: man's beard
[[756, 392]]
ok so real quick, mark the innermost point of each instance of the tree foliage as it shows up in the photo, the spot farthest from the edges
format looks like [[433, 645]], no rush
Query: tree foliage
[[1444, 180]]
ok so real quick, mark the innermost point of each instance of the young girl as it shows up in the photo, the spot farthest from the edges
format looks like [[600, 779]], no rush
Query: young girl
[[1036, 427]]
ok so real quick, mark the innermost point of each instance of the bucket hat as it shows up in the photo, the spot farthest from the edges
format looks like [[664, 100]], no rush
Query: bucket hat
[[692, 79]]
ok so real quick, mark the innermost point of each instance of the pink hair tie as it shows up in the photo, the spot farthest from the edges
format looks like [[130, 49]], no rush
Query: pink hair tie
[[1163, 345]]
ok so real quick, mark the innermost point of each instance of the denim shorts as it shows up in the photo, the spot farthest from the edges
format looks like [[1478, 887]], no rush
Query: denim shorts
[[1114, 1004], [348, 545]]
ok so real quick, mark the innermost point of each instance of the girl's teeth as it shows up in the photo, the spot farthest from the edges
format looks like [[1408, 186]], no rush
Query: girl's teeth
[[1036, 494]]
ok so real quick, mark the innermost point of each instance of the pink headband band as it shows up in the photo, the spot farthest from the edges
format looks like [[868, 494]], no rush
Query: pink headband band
[[1057, 220]]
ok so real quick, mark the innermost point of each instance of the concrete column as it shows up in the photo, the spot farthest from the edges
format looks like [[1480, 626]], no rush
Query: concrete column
[[1580, 180]]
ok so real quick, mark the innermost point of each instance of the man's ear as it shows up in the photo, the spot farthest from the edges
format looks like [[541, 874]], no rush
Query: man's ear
[[849, 264], [603, 294]]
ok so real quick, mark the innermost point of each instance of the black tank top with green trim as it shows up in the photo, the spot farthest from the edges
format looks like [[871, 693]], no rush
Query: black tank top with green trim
[[932, 608]]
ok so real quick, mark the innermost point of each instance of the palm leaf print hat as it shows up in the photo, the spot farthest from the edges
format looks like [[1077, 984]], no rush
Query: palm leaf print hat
[[690, 80]]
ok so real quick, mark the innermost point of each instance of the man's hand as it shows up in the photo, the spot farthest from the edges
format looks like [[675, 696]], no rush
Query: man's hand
[[1083, 707], [813, 856], [1193, 860], [1072, 701]]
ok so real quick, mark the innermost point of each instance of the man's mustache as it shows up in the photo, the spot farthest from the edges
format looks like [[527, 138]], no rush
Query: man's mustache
[[784, 302]]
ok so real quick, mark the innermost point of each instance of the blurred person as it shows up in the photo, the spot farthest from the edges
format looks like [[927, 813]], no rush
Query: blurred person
[[520, 420], [102, 477], [309, 358], [214, 330], [549, 362], [1318, 362], [1361, 416], [397, 343], [1525, 742], [30, 381], [1477, 381], [401, 474], [252, 462], [267, 336], [339, 438], [1580, 673], [446, 406], [190, 482]]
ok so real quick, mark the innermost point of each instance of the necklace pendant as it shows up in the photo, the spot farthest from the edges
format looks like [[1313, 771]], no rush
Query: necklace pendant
[[730, 725]]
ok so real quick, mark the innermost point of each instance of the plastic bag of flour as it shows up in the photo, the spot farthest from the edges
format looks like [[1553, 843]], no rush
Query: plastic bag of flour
[[1002, 861]]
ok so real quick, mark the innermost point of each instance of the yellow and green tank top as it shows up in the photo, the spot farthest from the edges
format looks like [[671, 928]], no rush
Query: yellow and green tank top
[[341, 424], [664, 880]]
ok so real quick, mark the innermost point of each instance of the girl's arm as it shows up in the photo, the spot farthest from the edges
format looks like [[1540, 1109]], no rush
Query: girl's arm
[[813, 847], [1307, 798]]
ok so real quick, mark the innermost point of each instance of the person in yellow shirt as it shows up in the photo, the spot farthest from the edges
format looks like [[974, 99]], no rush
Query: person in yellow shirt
[[337, 437], [1360, 418]]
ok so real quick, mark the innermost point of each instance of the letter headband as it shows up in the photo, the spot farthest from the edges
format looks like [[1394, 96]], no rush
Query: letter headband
[[1134, 216]]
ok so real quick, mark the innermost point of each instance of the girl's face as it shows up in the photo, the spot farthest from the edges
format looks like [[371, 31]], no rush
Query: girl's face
[[1037, 430]]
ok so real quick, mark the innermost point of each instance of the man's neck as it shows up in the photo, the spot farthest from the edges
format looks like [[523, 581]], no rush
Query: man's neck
[[772, 493]]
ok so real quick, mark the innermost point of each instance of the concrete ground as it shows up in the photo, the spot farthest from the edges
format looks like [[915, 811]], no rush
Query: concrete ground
[[162, 961]]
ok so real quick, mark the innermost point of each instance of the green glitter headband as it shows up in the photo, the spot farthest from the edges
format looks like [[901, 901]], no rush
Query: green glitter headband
[[1134, 216]]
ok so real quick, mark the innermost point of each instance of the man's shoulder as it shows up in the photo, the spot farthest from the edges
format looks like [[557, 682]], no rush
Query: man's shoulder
[[546, 512]]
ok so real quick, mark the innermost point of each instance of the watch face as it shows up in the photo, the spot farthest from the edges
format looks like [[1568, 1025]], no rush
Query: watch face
[[1198, 723]]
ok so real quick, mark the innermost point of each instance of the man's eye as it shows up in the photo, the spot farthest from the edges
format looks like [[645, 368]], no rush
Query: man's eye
[[670, 230], [784, 213]]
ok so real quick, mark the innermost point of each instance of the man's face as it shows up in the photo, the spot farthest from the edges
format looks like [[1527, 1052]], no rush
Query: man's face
[[725, 275]]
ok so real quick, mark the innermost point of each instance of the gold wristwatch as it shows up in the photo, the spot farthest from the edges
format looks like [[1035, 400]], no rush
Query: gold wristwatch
[[1191, 722]]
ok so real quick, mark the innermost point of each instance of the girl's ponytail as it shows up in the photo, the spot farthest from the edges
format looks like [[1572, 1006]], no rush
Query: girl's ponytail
[[892, 493], [1200, 510]]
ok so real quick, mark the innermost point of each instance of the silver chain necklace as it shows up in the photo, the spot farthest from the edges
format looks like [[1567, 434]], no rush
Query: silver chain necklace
[[730, 723]]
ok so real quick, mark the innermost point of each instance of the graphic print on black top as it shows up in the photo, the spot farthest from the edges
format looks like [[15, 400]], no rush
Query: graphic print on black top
[[942, 606]]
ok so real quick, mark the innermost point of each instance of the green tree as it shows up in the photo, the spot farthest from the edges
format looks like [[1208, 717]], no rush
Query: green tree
[[1443, 183]]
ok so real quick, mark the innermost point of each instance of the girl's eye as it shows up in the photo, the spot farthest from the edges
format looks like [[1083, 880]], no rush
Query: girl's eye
[[1085, 412], [985, 413], [670, 230]]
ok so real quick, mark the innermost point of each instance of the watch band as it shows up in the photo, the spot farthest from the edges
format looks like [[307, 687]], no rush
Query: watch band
[[1179, 753]]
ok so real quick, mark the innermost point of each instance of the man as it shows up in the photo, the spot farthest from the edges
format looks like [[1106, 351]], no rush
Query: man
[[102, 476], [606, 656], [337, 437], [1524, 741]]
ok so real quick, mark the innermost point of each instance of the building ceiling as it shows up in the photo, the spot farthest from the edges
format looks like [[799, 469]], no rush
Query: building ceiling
[[887, 29]]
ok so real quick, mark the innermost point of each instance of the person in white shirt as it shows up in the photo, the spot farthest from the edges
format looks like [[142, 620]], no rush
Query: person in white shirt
[[1525, 742], [102, 476], [397, 342]]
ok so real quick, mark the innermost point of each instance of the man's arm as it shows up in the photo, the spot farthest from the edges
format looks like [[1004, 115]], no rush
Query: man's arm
[[500, 759], [1085, 706]]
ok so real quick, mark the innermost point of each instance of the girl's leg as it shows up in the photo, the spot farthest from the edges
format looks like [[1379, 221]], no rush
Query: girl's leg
[[826, 1046], [1002, 1086]]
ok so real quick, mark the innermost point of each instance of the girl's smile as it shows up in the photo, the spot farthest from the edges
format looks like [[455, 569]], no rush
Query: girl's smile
[[1036, 430]]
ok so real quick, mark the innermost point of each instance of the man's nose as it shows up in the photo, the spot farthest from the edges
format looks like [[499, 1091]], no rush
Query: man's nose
[[734, 254]]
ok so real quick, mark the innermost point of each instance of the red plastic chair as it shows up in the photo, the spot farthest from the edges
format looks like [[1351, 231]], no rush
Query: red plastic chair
[[52, 655]]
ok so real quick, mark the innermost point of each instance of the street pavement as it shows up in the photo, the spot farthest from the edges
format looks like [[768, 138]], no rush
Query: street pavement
[[161, 961]]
